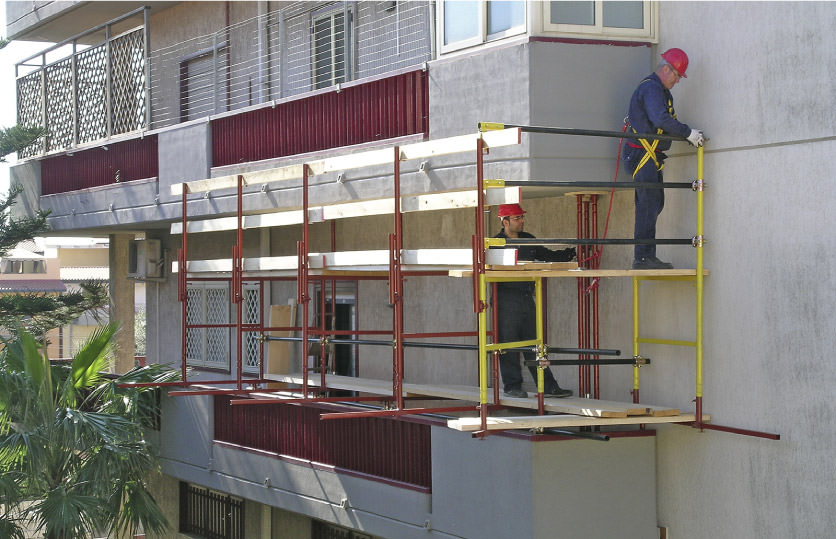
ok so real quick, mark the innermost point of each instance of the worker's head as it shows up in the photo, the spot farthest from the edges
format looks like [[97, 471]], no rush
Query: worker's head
[[672, 67], [512, 217]]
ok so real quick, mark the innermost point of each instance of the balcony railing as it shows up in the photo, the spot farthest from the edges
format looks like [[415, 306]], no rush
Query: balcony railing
[[92, 94], [118, 86], [386, 449]]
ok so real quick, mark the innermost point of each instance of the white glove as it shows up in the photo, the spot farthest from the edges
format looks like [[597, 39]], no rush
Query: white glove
[[696, 138]]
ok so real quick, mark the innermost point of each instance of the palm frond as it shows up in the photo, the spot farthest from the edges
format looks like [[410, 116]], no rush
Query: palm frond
[[89, 363]]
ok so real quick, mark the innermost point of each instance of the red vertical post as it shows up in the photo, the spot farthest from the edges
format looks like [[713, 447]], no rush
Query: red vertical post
[[182, 284], [579, 225], [302, 279], [237, 280], [397, 285], [595, 264]]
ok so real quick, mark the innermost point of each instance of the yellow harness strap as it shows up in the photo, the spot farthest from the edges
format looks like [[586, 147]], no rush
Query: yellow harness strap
[[650, 148]]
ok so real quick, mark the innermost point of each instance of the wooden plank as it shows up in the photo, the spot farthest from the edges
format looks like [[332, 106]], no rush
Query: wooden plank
[[261, 220], [577, 406], [279, 352], [470, 424], [532, 266], [384, 156], [358, 208], [278, 174]]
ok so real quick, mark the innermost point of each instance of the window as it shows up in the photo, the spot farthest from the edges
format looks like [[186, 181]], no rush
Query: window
[[208, 305], [204, 83], [331, 40], [472, 22], [607, 18], [22, 266], [251, 314], [324, 530], [207, 513]]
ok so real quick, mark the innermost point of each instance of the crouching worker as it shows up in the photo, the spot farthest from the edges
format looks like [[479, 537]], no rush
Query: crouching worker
[[516, 309]]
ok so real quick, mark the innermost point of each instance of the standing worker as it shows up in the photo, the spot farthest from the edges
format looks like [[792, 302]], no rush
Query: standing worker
[[516, 309], [651, 111]]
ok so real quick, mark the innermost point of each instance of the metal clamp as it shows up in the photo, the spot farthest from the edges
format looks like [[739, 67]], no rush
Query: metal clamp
[[640, 361], [542, 352], [698, 241], [698, 185]]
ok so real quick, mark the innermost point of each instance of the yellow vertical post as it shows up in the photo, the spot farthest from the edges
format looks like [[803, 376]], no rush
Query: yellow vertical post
[[699, 247], [538, 309], [483, 341], [635, 336]]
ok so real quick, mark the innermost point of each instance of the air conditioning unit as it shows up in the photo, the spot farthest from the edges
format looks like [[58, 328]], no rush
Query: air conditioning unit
[[145, 260]]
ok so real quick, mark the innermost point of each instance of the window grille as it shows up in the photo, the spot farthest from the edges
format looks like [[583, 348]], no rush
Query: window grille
[[251, 314], [324, 530], [208, 304], [210, 514], [330, 34]]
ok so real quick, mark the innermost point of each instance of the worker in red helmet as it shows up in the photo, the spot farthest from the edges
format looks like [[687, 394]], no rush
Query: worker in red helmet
[[651, 111], [516, 309]]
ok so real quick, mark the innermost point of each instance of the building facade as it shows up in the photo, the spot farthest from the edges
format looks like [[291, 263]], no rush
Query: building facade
[[151, 99]]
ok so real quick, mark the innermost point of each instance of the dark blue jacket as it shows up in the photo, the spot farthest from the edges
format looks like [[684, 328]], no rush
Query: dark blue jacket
[[529, 253], [651, 108]]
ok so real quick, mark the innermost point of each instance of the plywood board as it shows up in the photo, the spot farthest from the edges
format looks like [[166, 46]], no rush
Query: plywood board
[[279, 353], [562, 421]]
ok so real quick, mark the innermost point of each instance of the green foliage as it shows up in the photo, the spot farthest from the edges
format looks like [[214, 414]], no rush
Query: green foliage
[[38, 313], [15, 138], [14, 231], [72, 442]]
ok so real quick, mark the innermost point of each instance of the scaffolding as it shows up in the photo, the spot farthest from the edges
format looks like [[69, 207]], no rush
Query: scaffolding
[[482, 264]]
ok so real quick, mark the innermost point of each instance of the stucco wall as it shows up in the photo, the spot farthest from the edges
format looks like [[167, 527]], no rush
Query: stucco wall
[[756, 87]]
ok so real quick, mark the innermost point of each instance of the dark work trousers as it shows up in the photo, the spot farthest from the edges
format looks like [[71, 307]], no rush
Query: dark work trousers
[[649, 202], [518, 322]]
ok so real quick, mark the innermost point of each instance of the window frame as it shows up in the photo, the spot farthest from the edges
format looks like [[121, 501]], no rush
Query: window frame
[[648, 32], [483, 37], [349, 9], [202, 362], [251, 363]]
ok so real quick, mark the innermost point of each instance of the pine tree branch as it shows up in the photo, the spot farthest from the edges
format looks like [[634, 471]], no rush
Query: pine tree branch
[[39, 313], [13, 231]]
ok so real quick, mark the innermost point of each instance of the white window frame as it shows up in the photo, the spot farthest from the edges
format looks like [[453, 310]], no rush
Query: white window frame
[[482, 37], [250, 363], [649, 14], [203, 333], [348, 30]]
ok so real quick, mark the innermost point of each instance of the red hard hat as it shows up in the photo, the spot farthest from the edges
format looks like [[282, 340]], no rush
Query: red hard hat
[[677, 59], [506, 210]]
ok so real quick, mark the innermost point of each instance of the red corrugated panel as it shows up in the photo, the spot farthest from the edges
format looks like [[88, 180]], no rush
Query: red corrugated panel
[[133, 159], [376, 110], [386, 448]]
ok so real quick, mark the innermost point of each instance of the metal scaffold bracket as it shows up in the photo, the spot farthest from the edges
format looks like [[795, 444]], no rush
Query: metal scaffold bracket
[[494, 242], [493, 183]]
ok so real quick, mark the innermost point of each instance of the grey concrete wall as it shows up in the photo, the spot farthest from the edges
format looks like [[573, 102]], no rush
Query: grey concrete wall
[[768, 112], [509, 487]]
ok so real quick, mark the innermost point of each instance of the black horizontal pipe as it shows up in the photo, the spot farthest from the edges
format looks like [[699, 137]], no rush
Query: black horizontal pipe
[[597, 241], [576, 434], [589, 132], [450, 346], [599, 185], [623, 361]]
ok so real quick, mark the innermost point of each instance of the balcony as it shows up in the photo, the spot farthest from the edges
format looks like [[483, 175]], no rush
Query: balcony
[[122, 84]]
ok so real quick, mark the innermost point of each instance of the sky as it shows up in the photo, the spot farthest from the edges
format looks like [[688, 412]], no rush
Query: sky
[[11, 54]]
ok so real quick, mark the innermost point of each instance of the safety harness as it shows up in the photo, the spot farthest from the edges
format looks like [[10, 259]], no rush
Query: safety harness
[[650, 147]]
